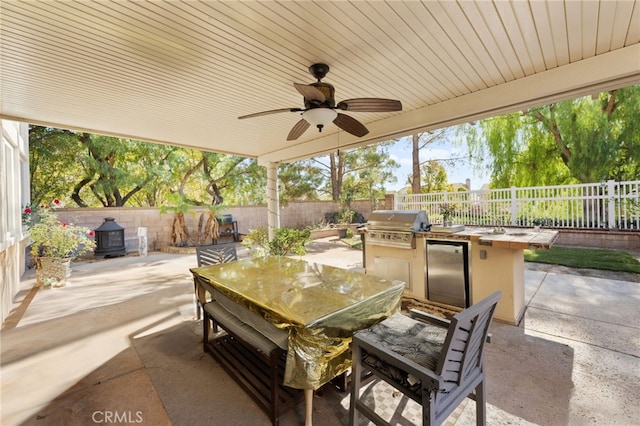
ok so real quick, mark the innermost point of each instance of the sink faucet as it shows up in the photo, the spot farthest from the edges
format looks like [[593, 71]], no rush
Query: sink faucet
[[499, 229]]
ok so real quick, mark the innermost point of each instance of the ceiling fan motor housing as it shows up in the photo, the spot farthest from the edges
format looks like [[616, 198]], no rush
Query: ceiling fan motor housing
[[319, 70], [329, 93]]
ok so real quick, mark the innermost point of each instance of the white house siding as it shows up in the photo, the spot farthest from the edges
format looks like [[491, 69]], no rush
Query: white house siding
[[14, 194]]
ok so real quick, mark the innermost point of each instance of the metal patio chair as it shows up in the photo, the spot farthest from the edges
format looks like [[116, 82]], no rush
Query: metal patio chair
[[212, 255], [435, 362]]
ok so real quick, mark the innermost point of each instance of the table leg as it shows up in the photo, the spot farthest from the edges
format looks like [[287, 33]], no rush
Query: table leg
[[308, 406]]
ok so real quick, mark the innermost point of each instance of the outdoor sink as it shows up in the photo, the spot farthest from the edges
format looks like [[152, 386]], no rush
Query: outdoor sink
[[489, 232], [498, 232]]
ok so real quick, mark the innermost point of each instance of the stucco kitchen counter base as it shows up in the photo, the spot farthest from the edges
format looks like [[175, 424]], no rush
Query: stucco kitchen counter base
[[497, 263]]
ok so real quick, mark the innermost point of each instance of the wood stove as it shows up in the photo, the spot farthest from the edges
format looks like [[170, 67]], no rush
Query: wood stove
[[109, 239]]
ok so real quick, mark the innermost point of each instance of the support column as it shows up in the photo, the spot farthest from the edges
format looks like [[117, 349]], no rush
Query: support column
[[273, 204]]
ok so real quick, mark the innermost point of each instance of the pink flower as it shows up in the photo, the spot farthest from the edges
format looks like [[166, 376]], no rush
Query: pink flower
[[91, 233], [64, 224], [56, 201], [28, 210]]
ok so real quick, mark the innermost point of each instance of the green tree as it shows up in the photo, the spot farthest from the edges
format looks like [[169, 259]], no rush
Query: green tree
[[95, 170], [52, 154], [421, 170], [299, 181], [587, 139], [91, 169], [115, 169], [420, 141], [204, 176], [368, 169], [343, 171], [434, 177]]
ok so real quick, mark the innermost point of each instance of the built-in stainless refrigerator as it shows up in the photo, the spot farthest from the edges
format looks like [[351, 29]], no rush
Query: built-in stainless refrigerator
[[448, 272]]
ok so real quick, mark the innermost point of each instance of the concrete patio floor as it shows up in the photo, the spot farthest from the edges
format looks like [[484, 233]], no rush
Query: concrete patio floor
[[120, 344]]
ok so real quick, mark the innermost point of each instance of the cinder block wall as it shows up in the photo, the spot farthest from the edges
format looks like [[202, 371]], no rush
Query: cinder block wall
[[292, 215], [618, 240]]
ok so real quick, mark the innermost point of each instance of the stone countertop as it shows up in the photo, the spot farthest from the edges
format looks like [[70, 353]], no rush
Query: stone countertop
[[513, 238]]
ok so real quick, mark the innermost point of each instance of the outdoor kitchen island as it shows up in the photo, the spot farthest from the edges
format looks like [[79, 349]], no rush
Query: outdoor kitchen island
[[497, 263], [494, 260]]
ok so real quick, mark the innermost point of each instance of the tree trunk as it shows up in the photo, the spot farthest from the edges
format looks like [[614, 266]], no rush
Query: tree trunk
[[415, 172]]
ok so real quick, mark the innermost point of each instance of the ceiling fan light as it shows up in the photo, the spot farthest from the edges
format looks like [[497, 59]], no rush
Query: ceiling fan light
[[319, 117]]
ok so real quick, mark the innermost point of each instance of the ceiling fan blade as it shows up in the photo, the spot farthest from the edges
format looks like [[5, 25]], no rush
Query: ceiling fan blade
[[370, 105], [351, 125], [273, 111], [298, 130], [309, 92]]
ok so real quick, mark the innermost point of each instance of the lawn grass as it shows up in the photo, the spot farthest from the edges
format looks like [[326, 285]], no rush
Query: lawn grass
[[574, 257]]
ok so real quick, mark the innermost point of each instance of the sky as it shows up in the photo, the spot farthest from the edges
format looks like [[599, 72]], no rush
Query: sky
[[457, 173]]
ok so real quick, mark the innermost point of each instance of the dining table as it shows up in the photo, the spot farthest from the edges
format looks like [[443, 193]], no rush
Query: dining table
[[320, 307]]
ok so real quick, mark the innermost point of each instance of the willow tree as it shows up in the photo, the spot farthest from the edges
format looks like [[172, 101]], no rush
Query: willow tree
[[587, 139]]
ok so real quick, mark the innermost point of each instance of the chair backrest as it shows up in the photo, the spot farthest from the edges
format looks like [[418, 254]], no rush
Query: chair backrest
[[462, 354], [216, 253]]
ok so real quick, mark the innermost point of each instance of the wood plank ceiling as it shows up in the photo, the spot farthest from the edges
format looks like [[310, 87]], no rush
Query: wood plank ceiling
[[182, 72]]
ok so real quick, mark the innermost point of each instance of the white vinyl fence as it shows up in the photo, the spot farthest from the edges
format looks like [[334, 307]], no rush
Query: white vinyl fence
[[603, 205]]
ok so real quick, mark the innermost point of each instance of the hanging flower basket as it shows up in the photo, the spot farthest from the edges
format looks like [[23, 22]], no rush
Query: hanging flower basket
[[52, 271]]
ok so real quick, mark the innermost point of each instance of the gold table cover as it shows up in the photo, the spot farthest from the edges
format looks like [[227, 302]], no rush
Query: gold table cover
[[320, 306]]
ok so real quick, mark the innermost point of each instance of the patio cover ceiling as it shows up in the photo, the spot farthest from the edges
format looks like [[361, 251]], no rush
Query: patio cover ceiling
[[182, 72]]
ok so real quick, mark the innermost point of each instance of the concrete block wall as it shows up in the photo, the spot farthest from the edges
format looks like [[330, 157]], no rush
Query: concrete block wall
[[159, 226], [617, 240]]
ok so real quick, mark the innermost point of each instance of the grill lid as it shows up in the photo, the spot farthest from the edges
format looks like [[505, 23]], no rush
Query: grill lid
[[399, 220]]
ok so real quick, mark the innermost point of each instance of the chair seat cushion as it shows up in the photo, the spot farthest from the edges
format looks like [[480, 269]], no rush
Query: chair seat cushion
[[411, 339]]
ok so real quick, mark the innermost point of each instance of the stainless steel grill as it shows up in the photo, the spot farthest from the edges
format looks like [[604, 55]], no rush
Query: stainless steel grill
[[396, 228]]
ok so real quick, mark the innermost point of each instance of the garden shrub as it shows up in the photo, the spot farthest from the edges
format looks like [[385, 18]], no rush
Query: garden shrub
[[286, 241]]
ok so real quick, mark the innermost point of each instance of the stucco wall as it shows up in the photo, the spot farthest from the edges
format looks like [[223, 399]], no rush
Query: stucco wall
[[14, 184], [293, 215]]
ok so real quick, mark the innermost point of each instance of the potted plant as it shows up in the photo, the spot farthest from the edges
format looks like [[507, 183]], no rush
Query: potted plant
[[537, 223], [54, 244], [447, 211], [345, 218]]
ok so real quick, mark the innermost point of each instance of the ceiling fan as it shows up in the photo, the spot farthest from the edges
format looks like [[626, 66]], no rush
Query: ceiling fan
[[320, 107]]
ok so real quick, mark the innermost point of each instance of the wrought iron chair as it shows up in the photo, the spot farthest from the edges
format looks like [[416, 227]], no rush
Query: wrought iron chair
[[212, 255], [435, 362]]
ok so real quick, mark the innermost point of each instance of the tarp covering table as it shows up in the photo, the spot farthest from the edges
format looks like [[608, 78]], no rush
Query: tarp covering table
[[320, 306]]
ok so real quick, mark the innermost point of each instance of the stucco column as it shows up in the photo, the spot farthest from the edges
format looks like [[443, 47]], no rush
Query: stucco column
[[273, 204]]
